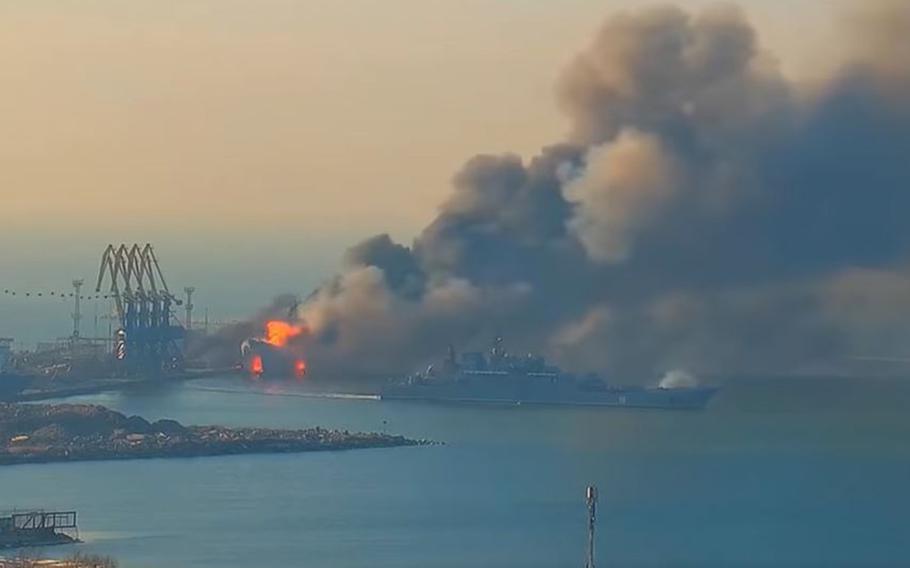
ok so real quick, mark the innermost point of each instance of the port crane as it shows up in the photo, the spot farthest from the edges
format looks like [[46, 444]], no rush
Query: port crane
[[148, 334]]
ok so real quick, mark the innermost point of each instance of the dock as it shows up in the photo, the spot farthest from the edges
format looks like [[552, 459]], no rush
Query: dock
[[38, 528]]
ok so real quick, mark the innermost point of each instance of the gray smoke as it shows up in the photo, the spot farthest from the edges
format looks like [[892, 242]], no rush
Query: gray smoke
[[705, 212]]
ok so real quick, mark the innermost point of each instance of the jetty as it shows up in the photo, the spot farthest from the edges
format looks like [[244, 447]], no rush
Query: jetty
[[39, 433]]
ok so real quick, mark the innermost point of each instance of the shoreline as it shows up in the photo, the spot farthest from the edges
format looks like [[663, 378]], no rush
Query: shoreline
[[42, 433], [20, 541], [37, 460], [53, 390]]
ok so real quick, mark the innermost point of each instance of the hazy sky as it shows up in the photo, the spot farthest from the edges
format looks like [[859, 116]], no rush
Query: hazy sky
[[253, 141]]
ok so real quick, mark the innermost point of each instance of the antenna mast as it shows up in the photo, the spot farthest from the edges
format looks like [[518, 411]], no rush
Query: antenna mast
[[591, 500]]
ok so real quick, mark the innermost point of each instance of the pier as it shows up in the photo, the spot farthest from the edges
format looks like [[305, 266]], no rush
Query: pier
[[38, 528]]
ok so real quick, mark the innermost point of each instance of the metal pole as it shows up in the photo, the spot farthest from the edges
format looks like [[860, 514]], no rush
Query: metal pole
[[189, 306], [77, 314], [591, 500]]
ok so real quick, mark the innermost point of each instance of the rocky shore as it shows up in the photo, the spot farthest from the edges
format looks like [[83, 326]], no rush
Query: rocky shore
[[34, 433]]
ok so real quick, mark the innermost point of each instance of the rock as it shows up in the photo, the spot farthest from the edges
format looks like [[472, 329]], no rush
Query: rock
[[75, 419], [43, 433], [137, 425], [49, 433], [168, 426]]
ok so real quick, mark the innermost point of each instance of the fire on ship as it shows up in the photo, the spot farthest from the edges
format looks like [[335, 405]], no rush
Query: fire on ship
[[271, 356]]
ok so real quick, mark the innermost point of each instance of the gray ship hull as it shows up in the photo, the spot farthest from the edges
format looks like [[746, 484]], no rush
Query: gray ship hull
[[526, 392]]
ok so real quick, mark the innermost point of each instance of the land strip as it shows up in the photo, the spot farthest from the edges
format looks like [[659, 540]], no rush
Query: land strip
[[40, 433]]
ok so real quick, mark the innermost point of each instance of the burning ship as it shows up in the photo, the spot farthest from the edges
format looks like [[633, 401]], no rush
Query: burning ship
[[502, 378], [269, 357]]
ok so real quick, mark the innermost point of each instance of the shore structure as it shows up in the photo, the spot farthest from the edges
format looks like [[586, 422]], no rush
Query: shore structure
[[37, 528], [39, 433]]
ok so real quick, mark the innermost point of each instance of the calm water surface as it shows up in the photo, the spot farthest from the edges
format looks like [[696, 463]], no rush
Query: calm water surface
[[773, 473]]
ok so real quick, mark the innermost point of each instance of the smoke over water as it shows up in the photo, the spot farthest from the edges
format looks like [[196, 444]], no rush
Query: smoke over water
[[704, 213]]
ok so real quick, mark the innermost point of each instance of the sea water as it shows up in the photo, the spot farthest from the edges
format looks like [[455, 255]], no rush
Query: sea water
[[773, 473]]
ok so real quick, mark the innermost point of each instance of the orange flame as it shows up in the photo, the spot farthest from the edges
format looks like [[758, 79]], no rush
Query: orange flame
[[255, 365], [278, 332], [300, 368]]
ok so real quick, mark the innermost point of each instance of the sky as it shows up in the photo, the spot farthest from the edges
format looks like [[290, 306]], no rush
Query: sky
[[252, 142]]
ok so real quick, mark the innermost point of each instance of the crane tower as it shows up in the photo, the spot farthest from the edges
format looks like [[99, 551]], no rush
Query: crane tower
[[147, 338]]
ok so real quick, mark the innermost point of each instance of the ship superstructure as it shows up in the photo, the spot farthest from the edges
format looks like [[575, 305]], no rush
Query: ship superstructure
[[500, 377]]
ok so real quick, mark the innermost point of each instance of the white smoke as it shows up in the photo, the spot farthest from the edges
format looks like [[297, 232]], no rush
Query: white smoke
[[678, 379]]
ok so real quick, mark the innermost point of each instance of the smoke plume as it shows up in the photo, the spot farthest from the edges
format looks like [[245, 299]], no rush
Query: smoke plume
[[677, 379], [704, 212]]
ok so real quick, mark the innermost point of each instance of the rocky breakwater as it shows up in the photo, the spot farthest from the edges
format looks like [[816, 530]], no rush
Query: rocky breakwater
[[33, 433]]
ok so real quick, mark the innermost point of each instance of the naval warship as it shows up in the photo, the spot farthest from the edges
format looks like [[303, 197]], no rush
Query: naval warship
[[499, 377]]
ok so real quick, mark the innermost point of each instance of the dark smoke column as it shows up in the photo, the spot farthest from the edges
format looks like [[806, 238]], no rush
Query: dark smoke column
[[705, 213]]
